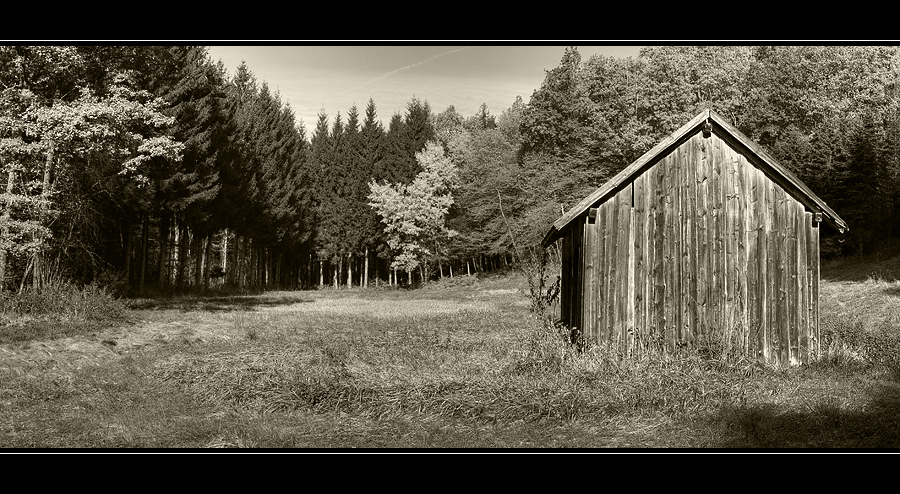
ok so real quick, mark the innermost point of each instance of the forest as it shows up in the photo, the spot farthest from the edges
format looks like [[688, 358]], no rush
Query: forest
[[153, 168]]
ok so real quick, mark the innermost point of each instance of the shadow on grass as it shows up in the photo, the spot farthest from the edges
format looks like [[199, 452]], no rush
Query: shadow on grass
[[825, 424], [861, 268], [35, 330], [216, 303]]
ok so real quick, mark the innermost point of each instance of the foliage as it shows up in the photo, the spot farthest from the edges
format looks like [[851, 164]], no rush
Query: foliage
[[415, 215], [50, 141], [154, 162]]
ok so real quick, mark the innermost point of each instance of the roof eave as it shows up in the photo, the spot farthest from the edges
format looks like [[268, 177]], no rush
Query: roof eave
[[812, 201], [688, 129], [623, 176]]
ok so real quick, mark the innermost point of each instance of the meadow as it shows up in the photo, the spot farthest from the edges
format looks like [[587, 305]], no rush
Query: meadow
[[460, 363]]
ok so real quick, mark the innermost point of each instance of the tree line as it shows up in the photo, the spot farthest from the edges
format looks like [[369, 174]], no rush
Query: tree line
[[155, 167], [828, 113]]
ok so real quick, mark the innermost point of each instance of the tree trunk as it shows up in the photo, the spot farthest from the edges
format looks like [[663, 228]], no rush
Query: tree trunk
[[336, 271], [5, 229], [232, 277], [127, 248], [277, 267], [197, 250], [144, 231], [365, 282], [182, 254], [349, 271], [240, 247], [264, 263], [162, 262], [225, 251], [254, 261], [206, 264], [38, 276]]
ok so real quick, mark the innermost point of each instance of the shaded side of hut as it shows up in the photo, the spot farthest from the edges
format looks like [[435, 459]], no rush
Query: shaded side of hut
[[704, 240]]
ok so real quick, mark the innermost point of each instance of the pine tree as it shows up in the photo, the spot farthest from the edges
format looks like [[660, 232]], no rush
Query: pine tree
[[186, 190], [373, 140]]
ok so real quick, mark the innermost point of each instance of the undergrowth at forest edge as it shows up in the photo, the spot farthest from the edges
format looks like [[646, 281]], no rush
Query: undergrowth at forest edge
[[57, 309]]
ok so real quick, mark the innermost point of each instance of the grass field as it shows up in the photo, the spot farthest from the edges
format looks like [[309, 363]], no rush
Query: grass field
[[452, 365]]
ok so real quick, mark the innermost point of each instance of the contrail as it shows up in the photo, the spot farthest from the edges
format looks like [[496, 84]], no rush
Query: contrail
[[401, 69]]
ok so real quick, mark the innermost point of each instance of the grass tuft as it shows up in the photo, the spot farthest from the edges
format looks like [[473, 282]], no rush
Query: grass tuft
[[56, 310]]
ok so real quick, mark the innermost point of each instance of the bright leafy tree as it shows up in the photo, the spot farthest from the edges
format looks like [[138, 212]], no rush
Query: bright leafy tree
[[415, 214]]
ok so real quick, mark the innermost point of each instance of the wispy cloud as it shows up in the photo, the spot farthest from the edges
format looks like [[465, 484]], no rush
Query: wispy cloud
[[411, 66]]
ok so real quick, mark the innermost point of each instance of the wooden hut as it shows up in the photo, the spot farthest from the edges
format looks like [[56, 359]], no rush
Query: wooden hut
[[704, 239]]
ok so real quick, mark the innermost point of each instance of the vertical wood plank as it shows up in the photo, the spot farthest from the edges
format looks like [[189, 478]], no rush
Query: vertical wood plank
[[623, 247], [730, 279], [640, 270], [704, 251], [717, 246], [587, 280], [754, 285], [693, 215], [795, 211], [814, 262], [580, 281], [743, 253], [570, 237], [669, 256], [602, 273], [803, 283], [676, 246], [687, 210], [678, 225], [629, 280], [564, 289], [769, 269], [652, 206], [574, 267], [660, 262], [581, 255], [640, 266], [781, 279], [612, 273], [595, 286]]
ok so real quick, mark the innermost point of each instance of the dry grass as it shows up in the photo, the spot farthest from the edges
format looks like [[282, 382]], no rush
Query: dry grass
[[462, 365]]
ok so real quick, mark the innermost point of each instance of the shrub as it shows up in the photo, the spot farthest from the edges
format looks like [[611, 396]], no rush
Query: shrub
[[543, 292], [848, 344], [112, 281], [63, 302]]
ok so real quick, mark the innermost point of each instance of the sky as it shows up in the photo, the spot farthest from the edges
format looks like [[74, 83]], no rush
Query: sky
[[333, 78]]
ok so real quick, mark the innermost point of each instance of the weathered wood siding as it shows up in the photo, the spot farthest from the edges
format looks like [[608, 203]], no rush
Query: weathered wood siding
[[701, 248]]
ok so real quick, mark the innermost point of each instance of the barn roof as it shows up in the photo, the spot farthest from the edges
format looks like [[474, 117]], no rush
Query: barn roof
[[719, 126]]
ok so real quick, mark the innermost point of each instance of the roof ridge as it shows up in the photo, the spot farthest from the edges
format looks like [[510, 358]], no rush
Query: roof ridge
[[676, 139]]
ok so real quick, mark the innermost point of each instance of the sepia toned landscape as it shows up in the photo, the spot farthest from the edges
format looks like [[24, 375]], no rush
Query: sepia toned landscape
[[694, 248]]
